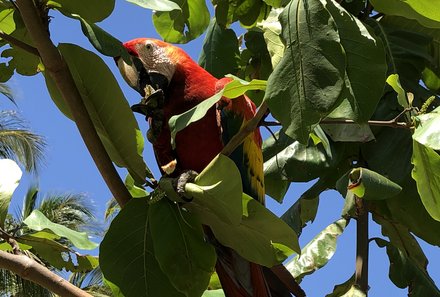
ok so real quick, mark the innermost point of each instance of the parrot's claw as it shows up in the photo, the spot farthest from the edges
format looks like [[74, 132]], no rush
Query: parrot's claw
[[180, 182]]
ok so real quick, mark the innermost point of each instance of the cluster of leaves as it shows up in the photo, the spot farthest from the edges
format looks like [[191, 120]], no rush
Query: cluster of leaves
[[323, 66]]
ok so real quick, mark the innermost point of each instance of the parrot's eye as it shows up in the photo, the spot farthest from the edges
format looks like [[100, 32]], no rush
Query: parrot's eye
[[148, 46]]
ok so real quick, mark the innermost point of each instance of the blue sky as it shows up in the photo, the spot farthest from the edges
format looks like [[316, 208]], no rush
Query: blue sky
[[68, 166]]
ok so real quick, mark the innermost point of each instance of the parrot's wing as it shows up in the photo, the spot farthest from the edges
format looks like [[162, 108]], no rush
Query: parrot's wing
[[248, 156]]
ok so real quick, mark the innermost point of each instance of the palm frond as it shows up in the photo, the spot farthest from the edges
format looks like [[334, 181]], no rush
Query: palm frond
[[6, 91], [92, 282], [30, 201], [18, 143], [13, 285], [71, 210]]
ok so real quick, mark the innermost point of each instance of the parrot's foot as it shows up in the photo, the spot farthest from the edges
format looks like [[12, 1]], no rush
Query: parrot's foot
[[180, 182]]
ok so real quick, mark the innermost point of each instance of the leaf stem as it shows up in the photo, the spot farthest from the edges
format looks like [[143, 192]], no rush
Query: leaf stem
[[58, 70], [362, 246]]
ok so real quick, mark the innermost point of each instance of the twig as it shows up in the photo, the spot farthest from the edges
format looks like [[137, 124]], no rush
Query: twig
[[11, 241], [29, 269], [362, 246], [18, 43], [58, 70], [248, 128]]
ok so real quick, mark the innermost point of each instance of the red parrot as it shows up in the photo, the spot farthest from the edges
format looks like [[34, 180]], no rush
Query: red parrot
[[185, 84]]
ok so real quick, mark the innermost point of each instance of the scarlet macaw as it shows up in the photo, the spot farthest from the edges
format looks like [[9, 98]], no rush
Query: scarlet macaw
[[185, 84]]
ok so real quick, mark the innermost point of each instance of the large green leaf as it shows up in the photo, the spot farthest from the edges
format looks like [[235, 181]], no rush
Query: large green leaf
[[105, 43], [10, 175], [7, 23], [180, 248], [365, 58], [317, 252], [127, 256], [261, 237], [308, 81], [22, 61], [214, 293], [394, 82], [57, 255], [427, 131], [107, 106], [236, 87], [405, 273], [158, 5], [301, 212], [427, 176], [220, 50], [424, 11], [91, 10], [248, 12], [38, 221], [184, 25], [218, 188], [367, 184]]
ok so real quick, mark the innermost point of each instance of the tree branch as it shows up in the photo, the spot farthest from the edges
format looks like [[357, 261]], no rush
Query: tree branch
[[29, 269], [248, 128], [58, 70], [362, 246], [18, 43]]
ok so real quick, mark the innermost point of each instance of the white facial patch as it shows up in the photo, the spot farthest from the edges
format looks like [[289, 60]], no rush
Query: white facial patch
[[155, 59]]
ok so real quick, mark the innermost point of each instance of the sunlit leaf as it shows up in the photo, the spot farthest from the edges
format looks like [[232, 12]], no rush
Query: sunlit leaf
[[184, 25], [271, 27], [37, 221], [10, 176], [180, 248], [393, 81], [218, 188], [214, 293], [107, 106], [317, 252], [424, 11], [91, 10], [127, 255], [342, 289], [427, 131], [7, 24], [308, 81], [158, 5], [427, 176]]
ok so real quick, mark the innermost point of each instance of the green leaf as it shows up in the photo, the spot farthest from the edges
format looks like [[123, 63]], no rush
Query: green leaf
[[59, 256], [214, 293], [107, 106], [105, 43], [342, 289], [308, 81], [426, 174], [317, 252], [431, 79], [180, 248], [235, 88], [271, 31], [10, 176], [91, 10], [220, 52], [365, 58], [127, 256], [348, 132], [135, 191], [37, 221], [7, 23], [22, 61], [218, 188], [263, 237], [405, 273], [394, 82], [427, 130], [301, 212], [184, 25], [369, 185], [158, 5], [424, 11]]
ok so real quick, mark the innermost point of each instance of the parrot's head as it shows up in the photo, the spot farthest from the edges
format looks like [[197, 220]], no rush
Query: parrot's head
[[154, 63]]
